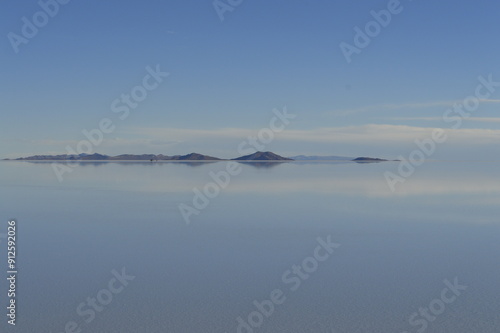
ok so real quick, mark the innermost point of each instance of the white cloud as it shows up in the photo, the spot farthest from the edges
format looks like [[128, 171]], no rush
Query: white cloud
[[474, 119], [391, 139], [365, 134]]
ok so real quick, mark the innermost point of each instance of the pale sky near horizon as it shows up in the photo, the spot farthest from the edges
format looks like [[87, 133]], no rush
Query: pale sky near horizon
[[226, 77]]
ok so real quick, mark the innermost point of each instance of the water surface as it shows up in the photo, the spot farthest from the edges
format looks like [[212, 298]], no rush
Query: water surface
[[396, 249]]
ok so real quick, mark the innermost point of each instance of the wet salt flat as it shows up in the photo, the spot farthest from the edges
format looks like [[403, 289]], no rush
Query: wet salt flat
[[108, 250]]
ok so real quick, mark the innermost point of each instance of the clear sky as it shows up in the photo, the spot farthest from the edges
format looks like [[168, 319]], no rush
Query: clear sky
[[226, 77]]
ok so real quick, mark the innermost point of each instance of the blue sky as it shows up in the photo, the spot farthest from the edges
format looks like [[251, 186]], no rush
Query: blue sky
[[227, 76]]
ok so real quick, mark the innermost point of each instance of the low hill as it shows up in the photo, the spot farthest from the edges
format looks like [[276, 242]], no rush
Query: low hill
[[124, 157], [262, 156], [194, 157]]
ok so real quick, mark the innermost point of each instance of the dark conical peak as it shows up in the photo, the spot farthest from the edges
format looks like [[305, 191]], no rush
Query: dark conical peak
[[194, 157], [262, 156]]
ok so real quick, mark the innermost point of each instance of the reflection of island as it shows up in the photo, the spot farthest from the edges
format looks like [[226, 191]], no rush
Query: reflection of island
[[368, 160], [261, 165], [132, 163], [265, 159]]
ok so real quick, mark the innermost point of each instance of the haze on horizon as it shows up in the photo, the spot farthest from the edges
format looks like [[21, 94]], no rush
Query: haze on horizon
[[225, 78]]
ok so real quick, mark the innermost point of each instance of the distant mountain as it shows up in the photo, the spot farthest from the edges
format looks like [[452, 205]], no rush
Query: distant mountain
[[124, 157], [321, 158], [368, 160], [258, 156], [262, 156], [94, 157], [194, 157], [160, 157], [40, 158], [64, 157], [143, 157]]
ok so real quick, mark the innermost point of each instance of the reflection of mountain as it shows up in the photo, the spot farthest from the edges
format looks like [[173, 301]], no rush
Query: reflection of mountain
[[192, 163], [262, 165], [368, 160], [70, 162], [262, 156]]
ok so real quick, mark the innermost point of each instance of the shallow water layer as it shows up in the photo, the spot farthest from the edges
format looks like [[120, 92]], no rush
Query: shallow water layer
[[109, 250]]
